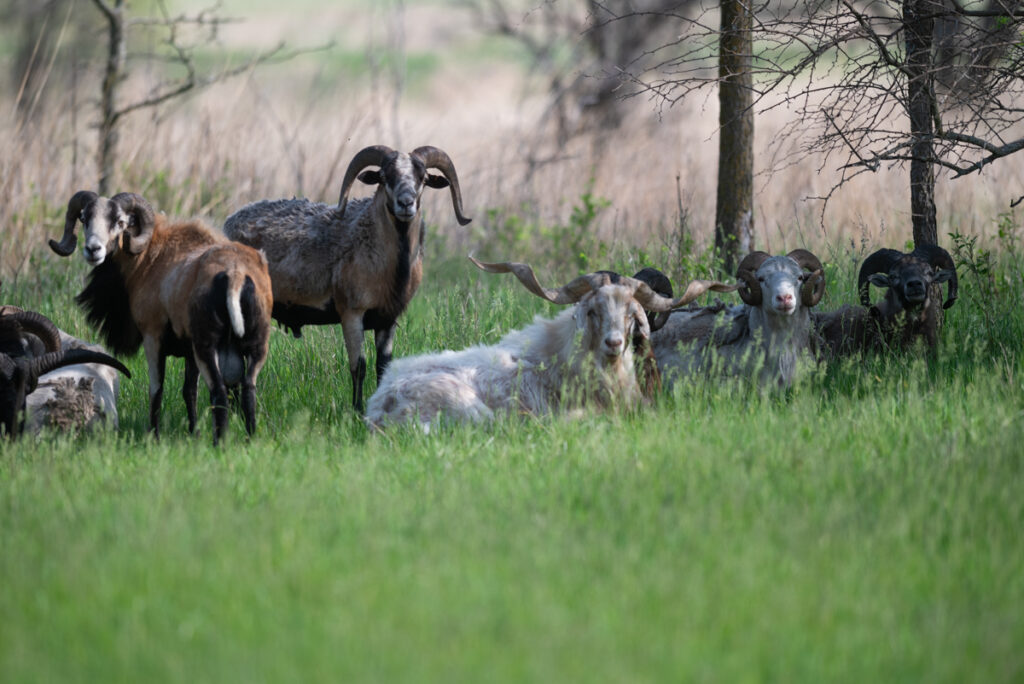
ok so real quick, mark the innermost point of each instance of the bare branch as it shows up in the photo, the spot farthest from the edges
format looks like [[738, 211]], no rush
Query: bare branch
[[962, 11], [169, 91], [995, 151]]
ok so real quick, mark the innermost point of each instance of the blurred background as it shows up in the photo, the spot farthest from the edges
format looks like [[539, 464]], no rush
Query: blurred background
[[529, 99]]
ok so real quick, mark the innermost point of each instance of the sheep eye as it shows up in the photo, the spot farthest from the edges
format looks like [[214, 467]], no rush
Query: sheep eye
[[760, 279]]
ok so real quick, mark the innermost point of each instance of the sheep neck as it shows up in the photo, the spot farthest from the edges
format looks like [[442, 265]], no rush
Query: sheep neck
[[401, 239]]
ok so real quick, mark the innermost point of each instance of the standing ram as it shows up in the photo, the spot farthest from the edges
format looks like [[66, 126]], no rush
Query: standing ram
[[30, 347], [358, 263], [583, 357], [910, 309], [769, 335], [176, 289]]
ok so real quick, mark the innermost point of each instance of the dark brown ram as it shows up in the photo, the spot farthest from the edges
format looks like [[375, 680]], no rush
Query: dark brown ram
[[910, 309], [358, 263]]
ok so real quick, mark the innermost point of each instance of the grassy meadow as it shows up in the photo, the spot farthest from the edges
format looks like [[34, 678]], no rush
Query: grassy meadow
[[863, 526]]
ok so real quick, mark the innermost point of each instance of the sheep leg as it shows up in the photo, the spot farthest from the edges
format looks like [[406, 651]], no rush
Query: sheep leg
[[384, 340], [157, 361], [190, 391], [352, 327], [206, 360], [254, 363]]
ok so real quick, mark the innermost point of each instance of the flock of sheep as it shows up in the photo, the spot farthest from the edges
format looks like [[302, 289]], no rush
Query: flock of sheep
[[182, 289]]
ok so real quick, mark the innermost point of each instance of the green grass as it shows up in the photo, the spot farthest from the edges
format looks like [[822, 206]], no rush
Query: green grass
[[865, 526]]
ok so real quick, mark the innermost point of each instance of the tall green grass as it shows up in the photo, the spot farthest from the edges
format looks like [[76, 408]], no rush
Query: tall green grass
[[863, 526]]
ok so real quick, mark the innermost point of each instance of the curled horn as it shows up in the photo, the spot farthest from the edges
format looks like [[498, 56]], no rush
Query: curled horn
[[368, 156], [814, 286], [38, 325], [435, 158], [54, 360], [750, 288], [78, 202], [878, 262], [143, 219], [939, 258]]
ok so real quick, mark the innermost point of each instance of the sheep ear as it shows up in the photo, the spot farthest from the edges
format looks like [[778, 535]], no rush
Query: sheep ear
[[370, 177], [436, 182], [944, 275], [642, 327], [879, 280]]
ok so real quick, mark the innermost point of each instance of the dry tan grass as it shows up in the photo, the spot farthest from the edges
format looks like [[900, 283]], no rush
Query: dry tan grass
[[279, 133]]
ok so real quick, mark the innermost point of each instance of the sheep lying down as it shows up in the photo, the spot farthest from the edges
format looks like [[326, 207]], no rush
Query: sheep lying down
[[588, 356], [769, 338], [82, 396], [52, 378]]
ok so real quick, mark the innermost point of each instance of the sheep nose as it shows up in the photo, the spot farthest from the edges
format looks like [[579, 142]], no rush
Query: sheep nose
[[785, 299], [613, 343], [92, 250]]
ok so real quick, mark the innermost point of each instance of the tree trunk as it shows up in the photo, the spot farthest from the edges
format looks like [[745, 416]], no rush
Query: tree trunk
[[112, 77], [919, 26], [734, 210]]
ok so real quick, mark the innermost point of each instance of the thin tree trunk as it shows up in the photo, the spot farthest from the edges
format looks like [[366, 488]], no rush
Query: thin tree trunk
[[734, 211], [112, 77], [919, 24]]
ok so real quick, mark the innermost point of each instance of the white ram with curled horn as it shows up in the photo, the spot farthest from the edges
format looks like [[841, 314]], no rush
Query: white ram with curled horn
[[584, 357], [768, 337]]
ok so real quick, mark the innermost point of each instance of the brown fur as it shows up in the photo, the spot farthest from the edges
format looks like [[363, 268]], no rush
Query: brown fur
[[186, 290]]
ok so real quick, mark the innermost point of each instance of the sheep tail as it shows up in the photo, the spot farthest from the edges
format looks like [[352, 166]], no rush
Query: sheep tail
[[236, 280]]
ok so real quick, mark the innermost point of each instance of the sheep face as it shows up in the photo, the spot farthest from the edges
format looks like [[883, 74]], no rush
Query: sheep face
[[402, 177], [104, 221], [780, 285], [910, 279], [608, 318], [122, 221], [780, 279]]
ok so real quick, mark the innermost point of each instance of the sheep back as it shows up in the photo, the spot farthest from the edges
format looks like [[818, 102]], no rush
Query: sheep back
[[74, 397], [303, 241], [314, 254], [475, 383]]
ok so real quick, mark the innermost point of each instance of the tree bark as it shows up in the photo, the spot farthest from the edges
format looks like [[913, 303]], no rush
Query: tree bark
[[112, 77], [734, 210], [919, 27]]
